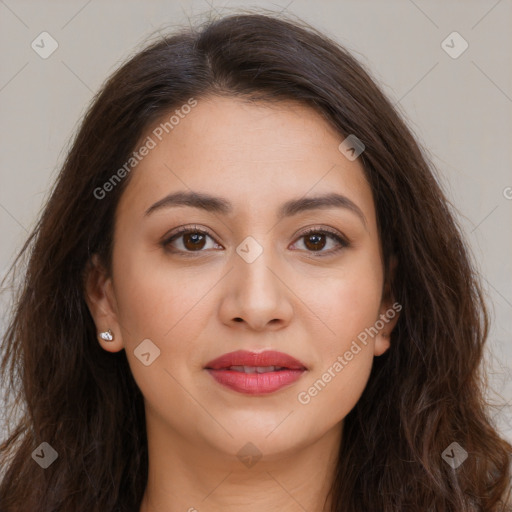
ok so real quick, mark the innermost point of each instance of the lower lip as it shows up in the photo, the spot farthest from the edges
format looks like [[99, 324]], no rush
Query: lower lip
[[255, 383]]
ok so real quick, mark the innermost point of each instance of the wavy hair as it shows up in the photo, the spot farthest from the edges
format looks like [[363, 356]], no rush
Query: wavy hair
[[424, 393]]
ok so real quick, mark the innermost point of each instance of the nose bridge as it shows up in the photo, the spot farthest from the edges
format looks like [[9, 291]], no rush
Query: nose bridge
[[255, 293], [254, 260]]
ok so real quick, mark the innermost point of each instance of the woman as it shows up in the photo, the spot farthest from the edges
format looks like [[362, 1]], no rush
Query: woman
[[247, 292]]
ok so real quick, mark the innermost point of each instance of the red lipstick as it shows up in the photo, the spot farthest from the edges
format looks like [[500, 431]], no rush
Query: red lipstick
[[255, 373]]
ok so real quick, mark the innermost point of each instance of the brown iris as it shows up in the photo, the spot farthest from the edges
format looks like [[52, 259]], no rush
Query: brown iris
[[318, 241], [194, 241]]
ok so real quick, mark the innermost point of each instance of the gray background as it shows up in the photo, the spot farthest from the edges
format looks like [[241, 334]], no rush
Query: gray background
[[460, 109]]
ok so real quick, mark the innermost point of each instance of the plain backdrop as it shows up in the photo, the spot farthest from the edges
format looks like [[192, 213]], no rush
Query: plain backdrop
[[460, 109]]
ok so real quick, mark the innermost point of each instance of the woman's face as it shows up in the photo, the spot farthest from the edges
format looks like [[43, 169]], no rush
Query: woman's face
[[256, 281]]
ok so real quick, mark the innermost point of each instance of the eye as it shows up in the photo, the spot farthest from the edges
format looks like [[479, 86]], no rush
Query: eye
[[189, 239], [315, 240]]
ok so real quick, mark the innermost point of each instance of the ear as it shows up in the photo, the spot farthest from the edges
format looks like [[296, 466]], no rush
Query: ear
[[100, 298], [388, 313]]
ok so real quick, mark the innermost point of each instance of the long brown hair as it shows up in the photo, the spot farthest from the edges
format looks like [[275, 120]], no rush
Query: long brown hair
[[423, 394]]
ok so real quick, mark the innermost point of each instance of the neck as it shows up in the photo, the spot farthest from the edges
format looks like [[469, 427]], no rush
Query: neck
[[197, 477]]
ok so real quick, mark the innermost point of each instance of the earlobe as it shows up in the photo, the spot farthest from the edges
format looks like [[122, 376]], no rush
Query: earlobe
[[100, 300], [388, 318], [388, 315], [386, 323], [382, 343]]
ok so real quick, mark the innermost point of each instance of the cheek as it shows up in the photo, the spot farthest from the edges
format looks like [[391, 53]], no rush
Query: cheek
[[343, 360], [165, 308], [169, 306], [349, 306], [348, 302], [154, 297]]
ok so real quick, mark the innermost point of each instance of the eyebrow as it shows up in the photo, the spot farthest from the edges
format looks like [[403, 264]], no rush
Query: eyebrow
[[222, 206]]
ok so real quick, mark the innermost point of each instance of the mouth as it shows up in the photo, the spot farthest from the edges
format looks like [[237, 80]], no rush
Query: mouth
[[255, 373], [255, 369]]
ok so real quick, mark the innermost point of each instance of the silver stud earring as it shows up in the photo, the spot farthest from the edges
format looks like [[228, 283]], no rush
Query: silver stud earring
[[106, 335]]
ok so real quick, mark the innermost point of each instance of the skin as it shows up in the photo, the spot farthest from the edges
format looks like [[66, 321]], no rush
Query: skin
[[257, 156]]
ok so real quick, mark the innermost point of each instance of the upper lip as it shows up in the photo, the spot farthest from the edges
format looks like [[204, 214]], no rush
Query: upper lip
[[246, 358]]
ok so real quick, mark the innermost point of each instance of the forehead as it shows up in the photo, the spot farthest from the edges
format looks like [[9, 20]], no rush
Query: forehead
[[257, 154]]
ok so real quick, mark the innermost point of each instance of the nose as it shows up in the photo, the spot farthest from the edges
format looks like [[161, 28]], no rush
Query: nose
[[256, 295]]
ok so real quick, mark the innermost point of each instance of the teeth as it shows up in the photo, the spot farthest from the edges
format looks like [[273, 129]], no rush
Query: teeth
[[236, 368], [255, 369], [264, 369]]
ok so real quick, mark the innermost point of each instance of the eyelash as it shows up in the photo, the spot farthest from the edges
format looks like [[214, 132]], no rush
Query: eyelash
[[343, 243]]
